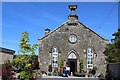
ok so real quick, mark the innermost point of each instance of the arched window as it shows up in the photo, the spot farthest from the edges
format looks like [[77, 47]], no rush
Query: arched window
[[89, 58], [55, 57]]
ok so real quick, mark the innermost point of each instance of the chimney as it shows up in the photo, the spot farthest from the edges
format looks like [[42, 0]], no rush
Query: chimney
[[73, 14], [47, 31]]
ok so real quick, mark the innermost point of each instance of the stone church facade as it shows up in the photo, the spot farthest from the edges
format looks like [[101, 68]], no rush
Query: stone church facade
[[72, 42]]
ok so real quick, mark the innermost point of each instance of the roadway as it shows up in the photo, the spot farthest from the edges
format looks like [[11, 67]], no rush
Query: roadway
[[66, 78]]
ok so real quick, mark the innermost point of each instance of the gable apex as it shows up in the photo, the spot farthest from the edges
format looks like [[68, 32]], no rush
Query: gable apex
[[67, 23]]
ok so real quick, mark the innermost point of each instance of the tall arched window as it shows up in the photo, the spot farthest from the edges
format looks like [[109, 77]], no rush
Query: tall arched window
[[55, 57], [89, 58]]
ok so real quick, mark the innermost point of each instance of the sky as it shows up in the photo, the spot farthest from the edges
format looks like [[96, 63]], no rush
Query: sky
[[35, 17]]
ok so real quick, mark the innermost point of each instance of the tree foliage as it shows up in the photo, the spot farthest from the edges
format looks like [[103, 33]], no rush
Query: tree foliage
[[113, 50], [25, 46], [23, 63]]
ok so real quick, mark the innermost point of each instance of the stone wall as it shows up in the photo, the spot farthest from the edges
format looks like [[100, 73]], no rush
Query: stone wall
[[5, 57], [113, 70], [85, 38]]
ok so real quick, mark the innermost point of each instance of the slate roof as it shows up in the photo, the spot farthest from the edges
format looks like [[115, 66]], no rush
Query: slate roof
[[8, 51]]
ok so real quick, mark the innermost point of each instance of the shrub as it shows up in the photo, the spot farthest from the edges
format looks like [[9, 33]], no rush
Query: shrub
[[49, 74], [76, 74], [59, 74], [95, 68], [50, 68], [25, 75]]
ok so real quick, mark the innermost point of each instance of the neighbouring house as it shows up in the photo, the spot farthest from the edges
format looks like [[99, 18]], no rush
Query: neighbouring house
[[5, 55], [72, 41]]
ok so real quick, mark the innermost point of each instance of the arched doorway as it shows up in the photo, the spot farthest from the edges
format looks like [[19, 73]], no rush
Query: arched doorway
[[72, 61]]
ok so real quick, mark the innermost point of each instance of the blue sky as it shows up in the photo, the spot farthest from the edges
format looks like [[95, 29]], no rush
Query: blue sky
[[35, 17]]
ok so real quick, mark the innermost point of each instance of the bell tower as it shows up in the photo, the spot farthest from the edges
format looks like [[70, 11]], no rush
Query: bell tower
[[73, 14]]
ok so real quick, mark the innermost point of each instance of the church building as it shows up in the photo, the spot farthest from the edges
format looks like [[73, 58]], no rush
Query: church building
[[72, 42]]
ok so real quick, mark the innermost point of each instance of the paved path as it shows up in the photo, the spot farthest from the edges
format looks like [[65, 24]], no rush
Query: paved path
[[66, 78]]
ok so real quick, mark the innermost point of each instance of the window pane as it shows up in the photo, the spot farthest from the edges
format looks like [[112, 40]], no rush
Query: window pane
[[55, 50], [55, 57], [89, 50], [89, 58]]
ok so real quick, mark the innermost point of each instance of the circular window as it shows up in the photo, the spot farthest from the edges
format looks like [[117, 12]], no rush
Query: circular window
[[73, 38]]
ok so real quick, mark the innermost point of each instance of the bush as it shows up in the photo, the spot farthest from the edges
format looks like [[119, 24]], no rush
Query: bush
[[25, 75], [50, 68], [59, 74], [49, 74], [77, 74], [95, 68]]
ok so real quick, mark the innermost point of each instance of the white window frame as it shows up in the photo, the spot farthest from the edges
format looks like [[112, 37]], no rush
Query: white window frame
[[72, 38], [90, 57], [54, 57]]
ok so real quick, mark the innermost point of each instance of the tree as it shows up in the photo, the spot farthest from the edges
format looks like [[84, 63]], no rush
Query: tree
[[24, 61], [81, 64], [113, 49], [25, 46], [116, 35]]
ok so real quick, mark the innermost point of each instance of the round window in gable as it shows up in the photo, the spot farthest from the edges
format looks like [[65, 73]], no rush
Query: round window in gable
[[73, 38]]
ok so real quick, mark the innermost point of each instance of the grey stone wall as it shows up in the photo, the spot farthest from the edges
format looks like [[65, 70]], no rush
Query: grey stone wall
[[5, 57], [85, 38], [113, 69]]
